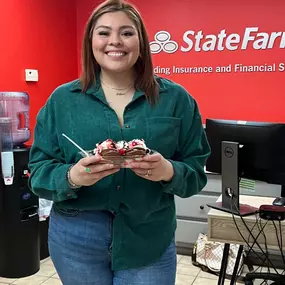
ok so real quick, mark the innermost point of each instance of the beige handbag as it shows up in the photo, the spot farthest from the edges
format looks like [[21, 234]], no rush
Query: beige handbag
[[209, 254]]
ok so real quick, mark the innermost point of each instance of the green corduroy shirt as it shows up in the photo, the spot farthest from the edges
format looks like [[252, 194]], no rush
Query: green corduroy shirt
[[145, 220]]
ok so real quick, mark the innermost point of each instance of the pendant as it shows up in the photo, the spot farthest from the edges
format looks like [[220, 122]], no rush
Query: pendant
[[120, 94]]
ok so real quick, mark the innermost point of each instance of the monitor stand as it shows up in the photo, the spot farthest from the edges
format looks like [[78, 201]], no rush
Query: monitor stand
[[230, 183], [280, 201]]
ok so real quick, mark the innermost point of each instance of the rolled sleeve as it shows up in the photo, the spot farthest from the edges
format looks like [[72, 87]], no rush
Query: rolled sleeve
[[47, 164]]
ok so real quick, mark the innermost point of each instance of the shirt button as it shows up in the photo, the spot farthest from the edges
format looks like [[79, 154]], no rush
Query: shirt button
[[118, 187], [69, 194], [127, 126]]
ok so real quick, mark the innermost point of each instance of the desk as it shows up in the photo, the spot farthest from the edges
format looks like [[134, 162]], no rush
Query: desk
[[221, 227]]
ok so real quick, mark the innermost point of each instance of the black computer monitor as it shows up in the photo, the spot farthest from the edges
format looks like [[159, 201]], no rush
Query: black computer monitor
[[243, 149]]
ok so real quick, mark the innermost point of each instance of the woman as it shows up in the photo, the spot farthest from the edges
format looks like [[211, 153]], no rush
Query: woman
[[113, 225]]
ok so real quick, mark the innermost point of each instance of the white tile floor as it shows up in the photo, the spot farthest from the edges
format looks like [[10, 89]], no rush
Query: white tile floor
[[187, 274]]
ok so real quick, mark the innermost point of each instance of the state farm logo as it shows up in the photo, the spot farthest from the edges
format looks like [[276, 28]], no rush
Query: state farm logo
[[162, 42], [198, 41]]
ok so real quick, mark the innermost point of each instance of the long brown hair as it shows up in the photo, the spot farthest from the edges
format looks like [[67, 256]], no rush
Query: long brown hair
[[145, 79]]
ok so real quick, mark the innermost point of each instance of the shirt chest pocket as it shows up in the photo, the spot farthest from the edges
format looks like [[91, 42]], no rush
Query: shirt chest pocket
[[162, 134]]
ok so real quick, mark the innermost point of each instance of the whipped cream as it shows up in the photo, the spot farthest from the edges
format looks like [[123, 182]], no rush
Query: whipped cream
[[122, 147], [107, 144], [137, 143]]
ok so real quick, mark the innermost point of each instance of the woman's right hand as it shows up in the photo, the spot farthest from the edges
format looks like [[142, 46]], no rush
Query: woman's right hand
[[80, 176]]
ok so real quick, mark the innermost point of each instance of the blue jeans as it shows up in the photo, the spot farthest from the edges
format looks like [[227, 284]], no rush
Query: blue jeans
[[80, 244]]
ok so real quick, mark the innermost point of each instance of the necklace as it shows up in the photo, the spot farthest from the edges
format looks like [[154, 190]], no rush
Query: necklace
[[119, 89]]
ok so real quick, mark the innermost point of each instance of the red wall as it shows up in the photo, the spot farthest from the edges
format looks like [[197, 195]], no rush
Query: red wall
[[84, 9], [47, 35], [244, 96], [37, 35]]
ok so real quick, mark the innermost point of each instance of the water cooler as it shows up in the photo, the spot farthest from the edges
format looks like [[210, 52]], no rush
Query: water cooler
[[19, 220]]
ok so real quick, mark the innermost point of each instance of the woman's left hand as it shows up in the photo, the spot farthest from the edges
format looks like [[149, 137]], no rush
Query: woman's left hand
[[153, 167]]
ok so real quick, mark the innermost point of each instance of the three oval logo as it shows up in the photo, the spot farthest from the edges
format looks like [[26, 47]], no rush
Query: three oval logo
[[162, 42]]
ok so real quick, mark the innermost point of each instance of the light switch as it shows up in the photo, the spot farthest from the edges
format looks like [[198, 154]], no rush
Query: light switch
[[32, 75]]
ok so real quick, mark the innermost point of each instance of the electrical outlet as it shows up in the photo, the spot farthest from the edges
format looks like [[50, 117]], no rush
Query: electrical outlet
[[31, 75]]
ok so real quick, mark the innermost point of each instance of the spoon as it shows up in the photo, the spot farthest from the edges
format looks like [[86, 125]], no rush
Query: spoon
[[74, 143]]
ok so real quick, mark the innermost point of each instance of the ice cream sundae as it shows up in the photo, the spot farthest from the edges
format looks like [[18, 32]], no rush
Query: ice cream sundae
[[121, 150]]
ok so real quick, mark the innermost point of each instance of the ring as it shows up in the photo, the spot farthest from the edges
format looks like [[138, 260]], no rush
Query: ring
[[148, 173], [88, 169]]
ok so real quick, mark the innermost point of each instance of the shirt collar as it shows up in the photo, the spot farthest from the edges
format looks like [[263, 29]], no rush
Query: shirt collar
[[96, 90]]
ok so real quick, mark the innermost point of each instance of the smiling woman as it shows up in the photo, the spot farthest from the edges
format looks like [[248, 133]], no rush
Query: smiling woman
[[122, 55], [123, 27], [106, 217]]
